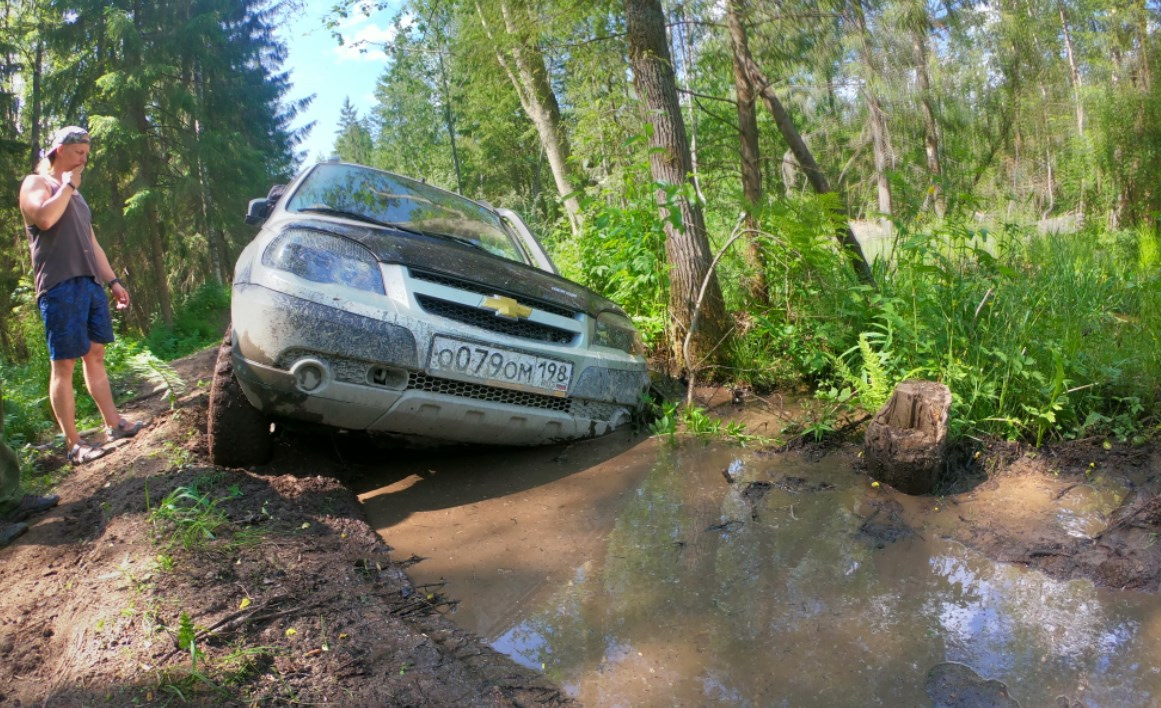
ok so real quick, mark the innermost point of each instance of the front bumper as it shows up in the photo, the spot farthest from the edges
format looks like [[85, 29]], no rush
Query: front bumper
[[300, 360]]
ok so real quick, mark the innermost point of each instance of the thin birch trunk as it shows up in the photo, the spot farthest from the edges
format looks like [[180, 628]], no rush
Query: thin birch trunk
[[525, 67]]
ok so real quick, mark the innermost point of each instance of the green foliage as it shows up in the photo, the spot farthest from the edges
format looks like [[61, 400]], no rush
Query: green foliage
[[188, 516], [621, 254], [187, 637], [1037, 336], [199, 320], [871, 379], [816, 306], [209, 677], [147, 367], [697, 423]]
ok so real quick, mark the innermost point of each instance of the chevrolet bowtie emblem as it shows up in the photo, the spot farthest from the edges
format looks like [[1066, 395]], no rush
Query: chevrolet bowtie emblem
[[507, 307]]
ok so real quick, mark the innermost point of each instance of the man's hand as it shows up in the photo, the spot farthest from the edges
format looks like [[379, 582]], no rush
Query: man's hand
[[73, 177], [121, 295]]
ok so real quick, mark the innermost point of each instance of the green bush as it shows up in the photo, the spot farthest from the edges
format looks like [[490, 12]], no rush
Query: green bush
[[198, 321], [621, 255]]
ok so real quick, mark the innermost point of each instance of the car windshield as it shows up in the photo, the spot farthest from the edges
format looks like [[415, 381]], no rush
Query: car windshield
[[366, 194]]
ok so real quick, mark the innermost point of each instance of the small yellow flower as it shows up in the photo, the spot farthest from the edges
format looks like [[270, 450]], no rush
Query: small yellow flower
[[291, 632], [875, 485], [244, 604]]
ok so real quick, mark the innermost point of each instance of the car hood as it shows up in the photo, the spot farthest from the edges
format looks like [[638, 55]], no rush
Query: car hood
[[444, 256]]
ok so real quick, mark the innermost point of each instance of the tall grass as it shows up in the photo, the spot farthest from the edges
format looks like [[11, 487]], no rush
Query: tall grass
[[1038, 336]]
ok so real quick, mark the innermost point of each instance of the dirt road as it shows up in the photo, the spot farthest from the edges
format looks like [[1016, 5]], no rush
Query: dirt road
[[161, 579]]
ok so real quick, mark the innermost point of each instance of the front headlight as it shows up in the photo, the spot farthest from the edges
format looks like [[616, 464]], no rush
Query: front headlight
[[323, 258], [617, 331]]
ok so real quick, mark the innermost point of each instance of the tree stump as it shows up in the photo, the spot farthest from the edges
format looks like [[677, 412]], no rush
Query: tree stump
[[906, 442]]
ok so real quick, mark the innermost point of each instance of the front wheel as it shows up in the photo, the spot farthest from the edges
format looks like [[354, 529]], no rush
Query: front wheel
[[239, 435]]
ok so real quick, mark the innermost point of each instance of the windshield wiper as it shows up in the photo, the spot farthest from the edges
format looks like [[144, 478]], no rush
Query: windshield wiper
[[332, 211], [458, 239]]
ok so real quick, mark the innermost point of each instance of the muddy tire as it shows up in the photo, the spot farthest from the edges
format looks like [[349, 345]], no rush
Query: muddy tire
[[239, 435]]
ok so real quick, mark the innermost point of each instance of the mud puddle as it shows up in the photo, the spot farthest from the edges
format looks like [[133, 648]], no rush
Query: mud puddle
[[634, 573]]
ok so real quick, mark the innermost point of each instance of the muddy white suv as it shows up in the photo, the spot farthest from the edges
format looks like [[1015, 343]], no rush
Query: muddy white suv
[[373, 302]]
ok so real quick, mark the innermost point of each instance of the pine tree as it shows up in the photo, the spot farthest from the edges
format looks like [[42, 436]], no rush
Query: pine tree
[[353, 141]]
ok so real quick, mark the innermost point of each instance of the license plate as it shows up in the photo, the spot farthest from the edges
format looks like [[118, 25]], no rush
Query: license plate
[[495, 366]]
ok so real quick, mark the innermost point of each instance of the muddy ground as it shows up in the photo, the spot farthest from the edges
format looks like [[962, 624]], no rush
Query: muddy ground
[[289, 596]]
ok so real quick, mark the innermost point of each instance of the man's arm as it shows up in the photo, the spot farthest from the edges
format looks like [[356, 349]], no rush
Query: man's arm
[[106, 273], [39, 205]]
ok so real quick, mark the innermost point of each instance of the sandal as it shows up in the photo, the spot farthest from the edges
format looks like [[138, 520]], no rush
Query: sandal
[[84, 452], [124, 429]]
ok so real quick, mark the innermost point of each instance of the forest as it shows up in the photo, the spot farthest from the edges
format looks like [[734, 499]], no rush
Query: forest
[[829, 197]]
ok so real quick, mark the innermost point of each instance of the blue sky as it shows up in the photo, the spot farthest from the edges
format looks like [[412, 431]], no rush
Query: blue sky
[[318, 65]]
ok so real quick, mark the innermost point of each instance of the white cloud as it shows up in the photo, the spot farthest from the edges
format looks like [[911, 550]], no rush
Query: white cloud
[[365, 44]]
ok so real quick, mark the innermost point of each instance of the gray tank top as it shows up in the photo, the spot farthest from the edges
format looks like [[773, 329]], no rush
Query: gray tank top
[[66, 250]]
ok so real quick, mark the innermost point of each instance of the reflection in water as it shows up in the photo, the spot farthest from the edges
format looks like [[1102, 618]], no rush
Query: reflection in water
[[1002, 620], [705, 596], [1083, 511]]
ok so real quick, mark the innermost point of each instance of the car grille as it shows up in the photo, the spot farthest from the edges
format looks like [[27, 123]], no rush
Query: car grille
[[480, 392], [486, 319], [356, 372], [471, 287]]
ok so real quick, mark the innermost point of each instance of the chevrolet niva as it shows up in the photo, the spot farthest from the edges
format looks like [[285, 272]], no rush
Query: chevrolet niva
[[373, 302]]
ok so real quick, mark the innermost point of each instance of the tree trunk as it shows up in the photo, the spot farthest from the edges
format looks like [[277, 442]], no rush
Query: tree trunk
[[37, 100], [687, 248], [751, 158], [905, 444], [450, 121], [1073, 72], [1141, 16], [529, 76], [876, 118], [930, 127], [155, 229], [814, 175], [683, 22]]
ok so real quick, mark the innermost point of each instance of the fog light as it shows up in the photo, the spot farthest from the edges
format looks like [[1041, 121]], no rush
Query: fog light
[[310, 375]]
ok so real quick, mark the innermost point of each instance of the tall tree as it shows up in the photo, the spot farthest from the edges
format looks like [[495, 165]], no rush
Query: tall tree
[[805, 158], [698, 312], [522, 60], [876, 116], [917, 24], [184, 101], [353, 141], [750, 153]]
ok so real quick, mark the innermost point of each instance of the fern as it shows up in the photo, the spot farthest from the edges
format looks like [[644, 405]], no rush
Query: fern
[[157, 372], [871, 382], [875, 383]]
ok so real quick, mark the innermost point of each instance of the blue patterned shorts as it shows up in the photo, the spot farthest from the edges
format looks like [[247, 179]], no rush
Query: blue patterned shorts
[[75, 314]]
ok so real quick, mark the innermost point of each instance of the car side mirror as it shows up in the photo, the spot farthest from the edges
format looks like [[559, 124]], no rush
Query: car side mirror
[[257, 212]]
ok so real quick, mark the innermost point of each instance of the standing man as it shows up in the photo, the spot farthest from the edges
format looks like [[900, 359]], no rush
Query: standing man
[[70, 267]]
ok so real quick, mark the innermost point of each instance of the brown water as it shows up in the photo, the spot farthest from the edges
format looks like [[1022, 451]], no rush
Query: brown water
[[631, 572]]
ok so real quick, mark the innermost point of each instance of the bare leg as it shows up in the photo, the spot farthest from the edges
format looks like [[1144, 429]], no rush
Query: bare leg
[[97, 381], [64, 405]]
